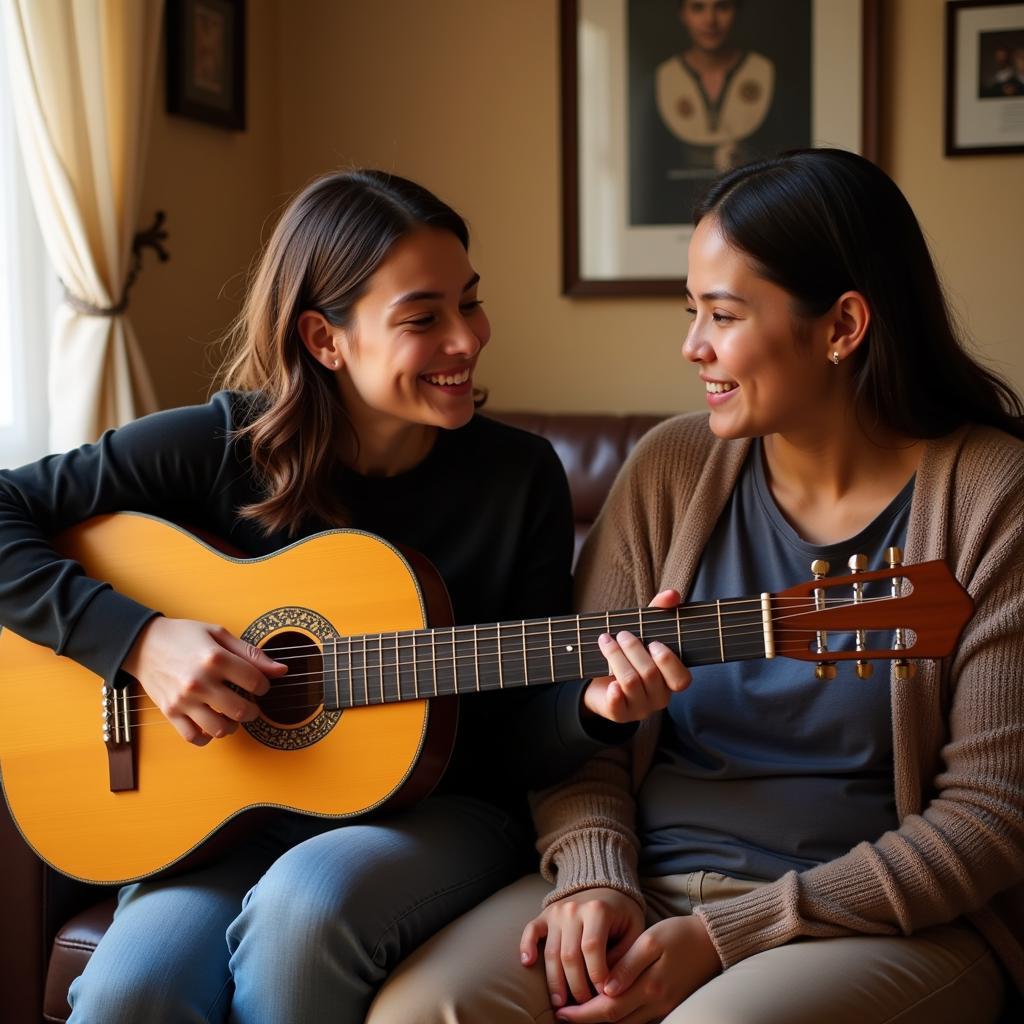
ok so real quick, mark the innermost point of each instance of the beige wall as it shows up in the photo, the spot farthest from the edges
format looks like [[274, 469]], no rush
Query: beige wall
[[971, 207], [463, 96], [217, 189]]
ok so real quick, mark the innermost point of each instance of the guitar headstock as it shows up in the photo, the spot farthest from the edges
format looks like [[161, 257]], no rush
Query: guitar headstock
[[924, 609]]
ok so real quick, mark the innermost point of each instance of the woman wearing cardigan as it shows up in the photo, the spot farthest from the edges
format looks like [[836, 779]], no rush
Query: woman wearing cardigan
[[776, 847]]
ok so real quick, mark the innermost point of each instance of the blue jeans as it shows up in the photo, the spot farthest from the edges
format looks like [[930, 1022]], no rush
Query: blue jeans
[[300, 924]]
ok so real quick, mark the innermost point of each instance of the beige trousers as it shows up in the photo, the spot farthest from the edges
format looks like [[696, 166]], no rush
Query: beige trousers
[[470, 973]]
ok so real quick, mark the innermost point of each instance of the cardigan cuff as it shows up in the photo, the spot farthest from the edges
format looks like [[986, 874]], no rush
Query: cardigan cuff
[[590, 859], [744, 925]]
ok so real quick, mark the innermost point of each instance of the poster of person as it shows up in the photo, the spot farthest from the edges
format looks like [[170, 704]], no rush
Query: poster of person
[[1000, 64], [984, 87], [711, 84]]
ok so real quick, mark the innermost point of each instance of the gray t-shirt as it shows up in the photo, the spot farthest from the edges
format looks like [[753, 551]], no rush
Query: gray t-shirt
[[761, 768]]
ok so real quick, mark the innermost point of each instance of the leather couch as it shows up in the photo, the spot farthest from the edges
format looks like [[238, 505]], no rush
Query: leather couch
[[51, 924]]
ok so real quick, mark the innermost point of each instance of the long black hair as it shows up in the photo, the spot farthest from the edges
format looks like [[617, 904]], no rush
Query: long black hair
[[819, 222]]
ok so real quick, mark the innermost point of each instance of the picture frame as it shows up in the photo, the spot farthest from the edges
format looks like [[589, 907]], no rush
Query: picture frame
[[206, 61], [984, 88], [618, 62]]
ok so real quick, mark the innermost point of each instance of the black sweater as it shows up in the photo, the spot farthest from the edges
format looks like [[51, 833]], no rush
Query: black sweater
[[489, 507]]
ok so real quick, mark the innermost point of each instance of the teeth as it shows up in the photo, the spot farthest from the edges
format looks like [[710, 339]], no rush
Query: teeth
[[714, 387], [447, 378]]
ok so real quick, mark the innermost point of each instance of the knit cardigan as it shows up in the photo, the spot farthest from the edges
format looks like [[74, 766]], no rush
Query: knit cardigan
[[958, 725]]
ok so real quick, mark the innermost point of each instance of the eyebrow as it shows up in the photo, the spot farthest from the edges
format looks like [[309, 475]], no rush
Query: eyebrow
[[721, 293], [421, 296]]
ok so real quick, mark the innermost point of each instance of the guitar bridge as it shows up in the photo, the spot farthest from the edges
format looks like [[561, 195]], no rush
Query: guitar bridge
[[117, 737]]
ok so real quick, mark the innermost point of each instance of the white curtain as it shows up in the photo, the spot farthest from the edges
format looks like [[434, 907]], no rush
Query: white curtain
[[82, 76]]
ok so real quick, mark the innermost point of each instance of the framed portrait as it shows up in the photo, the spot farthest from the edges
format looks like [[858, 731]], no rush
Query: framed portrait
[[660, 96], [206, 61], [984, 77]]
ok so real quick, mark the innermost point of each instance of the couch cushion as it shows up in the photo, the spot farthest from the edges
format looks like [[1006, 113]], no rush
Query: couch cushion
[[72, 948], [592, 448]]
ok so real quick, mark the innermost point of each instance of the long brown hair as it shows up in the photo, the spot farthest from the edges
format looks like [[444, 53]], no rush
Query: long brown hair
[[324, 249]]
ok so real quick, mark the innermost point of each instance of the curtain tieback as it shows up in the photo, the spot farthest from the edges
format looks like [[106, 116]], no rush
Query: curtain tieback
[[152, 237]]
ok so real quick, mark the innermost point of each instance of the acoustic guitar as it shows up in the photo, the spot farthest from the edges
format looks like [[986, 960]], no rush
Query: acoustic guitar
[[104, 789]]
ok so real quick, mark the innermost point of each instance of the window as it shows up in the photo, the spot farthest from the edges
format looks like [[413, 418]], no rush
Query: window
[[28, 297]]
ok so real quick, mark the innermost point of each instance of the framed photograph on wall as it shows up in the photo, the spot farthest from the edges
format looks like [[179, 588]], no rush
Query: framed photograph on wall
[[984, 77], [660, 96], [206, 61]]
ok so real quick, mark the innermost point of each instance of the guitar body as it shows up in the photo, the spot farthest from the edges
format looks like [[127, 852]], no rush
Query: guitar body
[[54, 764], [347, 730]]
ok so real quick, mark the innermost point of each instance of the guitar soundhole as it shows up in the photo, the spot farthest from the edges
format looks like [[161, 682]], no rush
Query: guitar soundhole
[[293, 698]]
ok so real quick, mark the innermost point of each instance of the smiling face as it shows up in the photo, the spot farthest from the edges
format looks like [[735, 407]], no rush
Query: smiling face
[[408, 356], [764, 369]]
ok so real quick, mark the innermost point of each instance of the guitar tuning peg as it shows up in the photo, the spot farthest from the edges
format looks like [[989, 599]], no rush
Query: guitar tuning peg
[[858, 563], [823, 670], [902, 668]]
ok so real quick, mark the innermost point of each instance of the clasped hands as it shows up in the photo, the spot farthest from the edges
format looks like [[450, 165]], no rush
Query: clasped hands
[[597, 951]]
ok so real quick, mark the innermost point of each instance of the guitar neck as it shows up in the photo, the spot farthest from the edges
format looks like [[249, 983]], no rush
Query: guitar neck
[[382, 668]]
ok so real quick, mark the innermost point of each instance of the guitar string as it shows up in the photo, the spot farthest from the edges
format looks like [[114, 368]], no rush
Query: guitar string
[[376, 656], [160, 719], [693, 638], [587, 617], [370, 688]]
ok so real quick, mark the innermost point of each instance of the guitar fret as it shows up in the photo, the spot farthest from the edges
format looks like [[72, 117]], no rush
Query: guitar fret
[[398, 670], [380, 663], [351, 701], [476, 658], [721, 637], [337, 698], [579, 646], [526, 663], [679, 632], [501, 676], [551, 650], [455, 663], [433, 658], [415, 663], [366, 671]]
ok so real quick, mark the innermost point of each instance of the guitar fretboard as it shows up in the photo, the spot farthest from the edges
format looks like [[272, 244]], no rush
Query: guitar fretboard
[[382, 668]]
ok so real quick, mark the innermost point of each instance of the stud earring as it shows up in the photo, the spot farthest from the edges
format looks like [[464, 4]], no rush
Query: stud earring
[[335, 364], [834, 357]]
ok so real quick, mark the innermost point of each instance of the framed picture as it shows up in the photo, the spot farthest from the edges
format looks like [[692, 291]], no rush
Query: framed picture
[[984, 77], [661, 96], [206, 61]]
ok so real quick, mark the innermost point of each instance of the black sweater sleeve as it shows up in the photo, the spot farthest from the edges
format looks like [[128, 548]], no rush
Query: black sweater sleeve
[[166, 464]]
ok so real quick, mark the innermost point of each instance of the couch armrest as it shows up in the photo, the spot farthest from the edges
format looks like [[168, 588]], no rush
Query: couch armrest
[[35, 902], [23, 939]]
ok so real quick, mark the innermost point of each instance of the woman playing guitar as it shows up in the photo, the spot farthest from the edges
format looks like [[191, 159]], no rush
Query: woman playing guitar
[[349, 402]]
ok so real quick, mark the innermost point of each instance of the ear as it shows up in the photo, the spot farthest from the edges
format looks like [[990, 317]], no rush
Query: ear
[[321, 338], [848, 325]]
